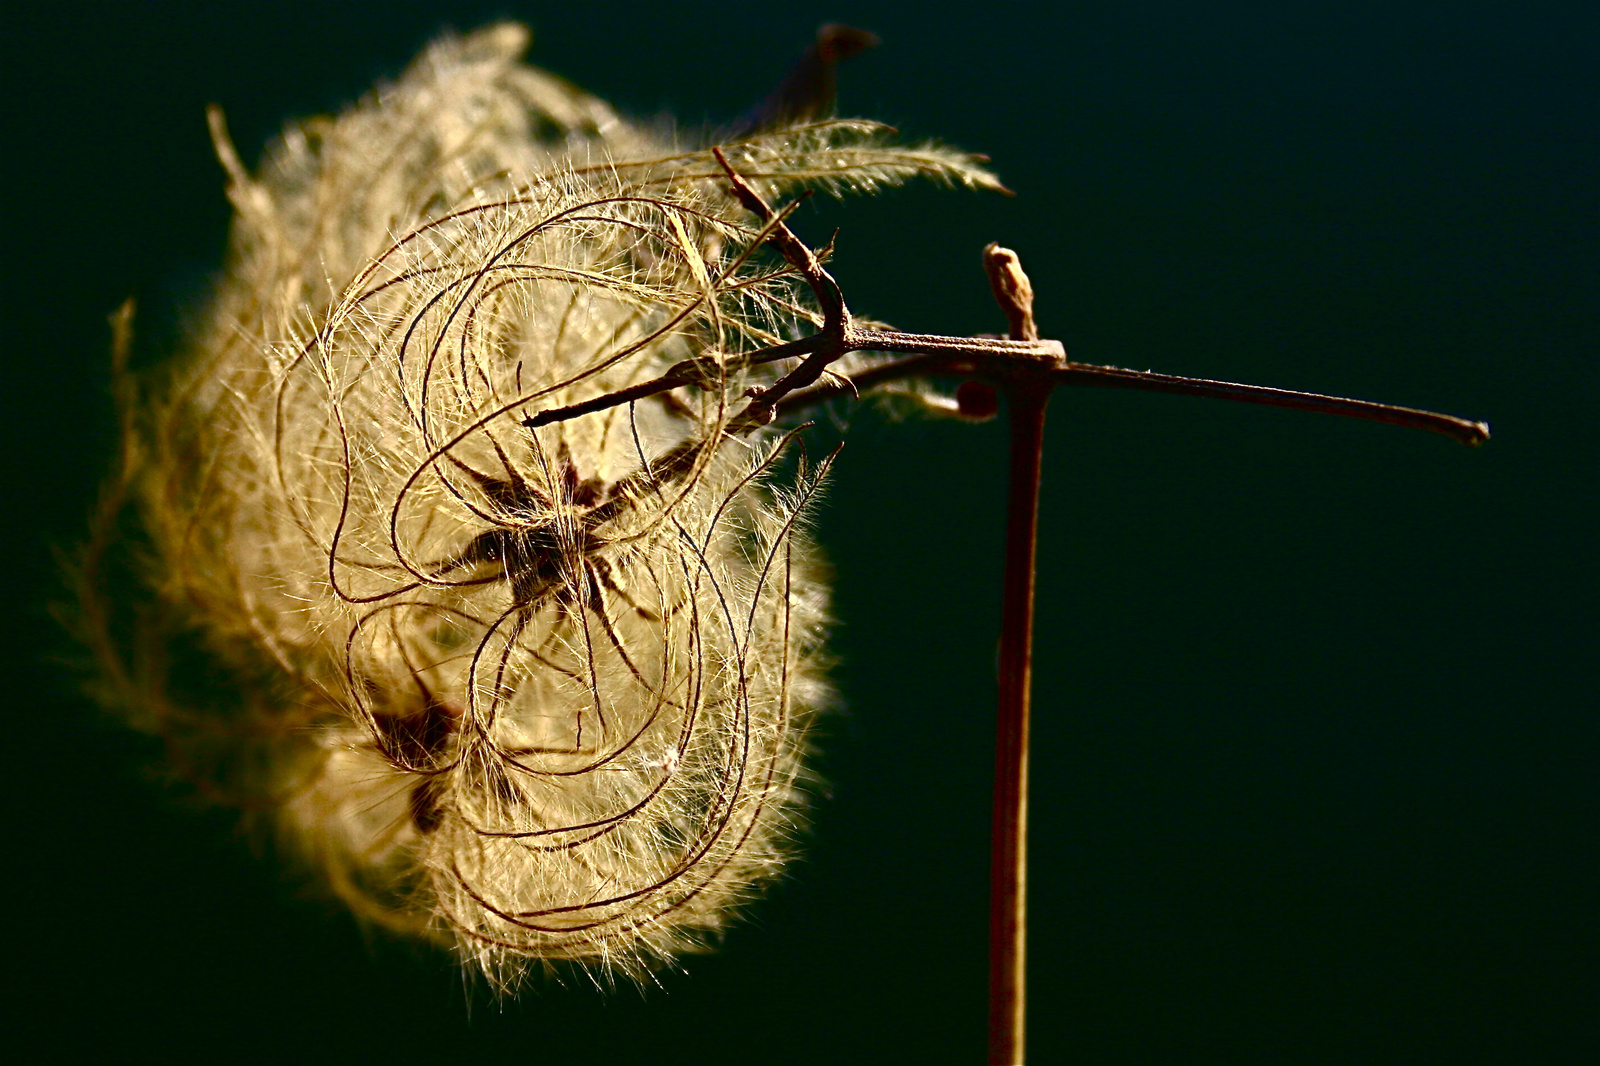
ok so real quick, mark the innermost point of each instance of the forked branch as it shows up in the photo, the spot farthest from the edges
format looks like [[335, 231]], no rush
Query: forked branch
[[991, 359]]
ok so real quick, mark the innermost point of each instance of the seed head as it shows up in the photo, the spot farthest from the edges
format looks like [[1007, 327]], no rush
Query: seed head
[[536, 684]]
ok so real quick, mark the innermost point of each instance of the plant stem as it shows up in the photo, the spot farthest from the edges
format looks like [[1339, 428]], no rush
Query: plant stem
[[1026, 398], [1467, 431]]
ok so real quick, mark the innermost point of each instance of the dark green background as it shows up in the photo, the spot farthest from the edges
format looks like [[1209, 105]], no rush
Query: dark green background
[[1314, 755]]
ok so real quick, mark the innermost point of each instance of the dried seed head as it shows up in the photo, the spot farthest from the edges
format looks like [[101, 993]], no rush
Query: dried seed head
[[541, 692]]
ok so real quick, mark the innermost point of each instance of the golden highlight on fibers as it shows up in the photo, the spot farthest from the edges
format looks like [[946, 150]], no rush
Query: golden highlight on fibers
[[535, 685]]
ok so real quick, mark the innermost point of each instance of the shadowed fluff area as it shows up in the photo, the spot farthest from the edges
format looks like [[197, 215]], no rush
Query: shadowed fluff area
[[540, 693]]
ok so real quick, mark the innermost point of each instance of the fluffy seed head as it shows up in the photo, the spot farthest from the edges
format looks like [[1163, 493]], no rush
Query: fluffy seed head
[[539, 692]]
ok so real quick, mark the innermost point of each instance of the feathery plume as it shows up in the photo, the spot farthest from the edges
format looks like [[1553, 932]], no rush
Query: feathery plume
[[523, 675]]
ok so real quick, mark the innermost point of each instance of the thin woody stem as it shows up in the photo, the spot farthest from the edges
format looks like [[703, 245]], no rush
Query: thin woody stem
[[686, 372], [976, 364], [1027, 394], [1466, 431], [835, 315], [1008, 870]]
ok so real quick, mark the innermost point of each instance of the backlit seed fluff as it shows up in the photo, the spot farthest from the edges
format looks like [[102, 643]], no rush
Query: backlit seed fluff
[[540, 693]]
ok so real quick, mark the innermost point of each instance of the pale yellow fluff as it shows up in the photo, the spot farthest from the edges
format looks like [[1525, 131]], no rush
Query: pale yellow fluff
[[541, 693]]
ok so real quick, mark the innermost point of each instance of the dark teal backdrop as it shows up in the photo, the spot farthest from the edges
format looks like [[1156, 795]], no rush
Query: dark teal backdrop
[[1314, 752]]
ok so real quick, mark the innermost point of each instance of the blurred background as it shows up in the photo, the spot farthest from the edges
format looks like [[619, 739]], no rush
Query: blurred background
[[1313, 774]]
